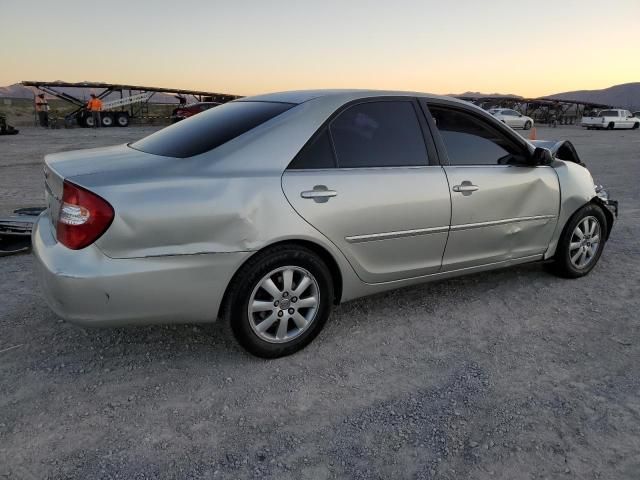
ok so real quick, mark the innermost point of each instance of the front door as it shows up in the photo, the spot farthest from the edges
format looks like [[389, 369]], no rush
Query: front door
[[501, 208], [366, 183]]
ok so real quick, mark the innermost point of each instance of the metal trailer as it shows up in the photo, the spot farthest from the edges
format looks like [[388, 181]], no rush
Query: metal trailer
[[118, 112], [542, 110]]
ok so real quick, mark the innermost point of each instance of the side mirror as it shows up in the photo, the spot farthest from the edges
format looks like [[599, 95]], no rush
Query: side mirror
[[541, 156]]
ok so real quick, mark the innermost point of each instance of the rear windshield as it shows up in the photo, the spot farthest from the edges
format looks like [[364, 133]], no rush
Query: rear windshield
[[210, 129], [609, 113]]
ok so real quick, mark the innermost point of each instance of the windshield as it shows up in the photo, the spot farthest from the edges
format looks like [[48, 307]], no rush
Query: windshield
[[210, 129]]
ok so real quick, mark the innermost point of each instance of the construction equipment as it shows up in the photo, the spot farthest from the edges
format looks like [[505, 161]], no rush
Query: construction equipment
[[118, 111]]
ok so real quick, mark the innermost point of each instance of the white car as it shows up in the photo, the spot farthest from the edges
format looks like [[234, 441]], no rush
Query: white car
[[512, 118]]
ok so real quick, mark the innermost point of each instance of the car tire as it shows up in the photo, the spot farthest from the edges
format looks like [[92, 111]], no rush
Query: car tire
[[575, 256], [610, 126], [272, 284], [527, 125], [636, 126]]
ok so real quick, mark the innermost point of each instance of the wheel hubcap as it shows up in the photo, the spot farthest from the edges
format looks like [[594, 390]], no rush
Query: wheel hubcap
[[585, 242], [283, 304]]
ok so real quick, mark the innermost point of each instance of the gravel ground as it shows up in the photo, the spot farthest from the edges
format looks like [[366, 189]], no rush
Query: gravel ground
[[510, 374]]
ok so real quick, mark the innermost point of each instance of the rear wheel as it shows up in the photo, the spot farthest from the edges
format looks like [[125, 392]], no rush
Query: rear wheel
[[581, 243], [122, 119], [106, 120], [279, 301]]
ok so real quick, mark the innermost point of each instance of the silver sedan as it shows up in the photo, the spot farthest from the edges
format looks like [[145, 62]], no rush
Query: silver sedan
[[269, 210]]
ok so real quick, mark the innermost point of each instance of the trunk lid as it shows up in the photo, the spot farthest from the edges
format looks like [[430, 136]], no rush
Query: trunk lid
[[70, 165]]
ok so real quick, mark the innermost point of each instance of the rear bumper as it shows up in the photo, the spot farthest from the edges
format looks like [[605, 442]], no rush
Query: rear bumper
[[89, 288]]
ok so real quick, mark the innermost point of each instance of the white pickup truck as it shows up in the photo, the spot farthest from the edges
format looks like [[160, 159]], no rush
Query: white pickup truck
[[610, 119]]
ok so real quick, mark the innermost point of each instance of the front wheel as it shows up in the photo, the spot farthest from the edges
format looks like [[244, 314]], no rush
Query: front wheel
[[527, 125], [610, 126], [279, 301], [636, 126], [581, 243]]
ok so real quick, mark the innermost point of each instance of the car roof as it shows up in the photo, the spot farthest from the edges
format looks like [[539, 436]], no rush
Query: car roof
[[301, 96]]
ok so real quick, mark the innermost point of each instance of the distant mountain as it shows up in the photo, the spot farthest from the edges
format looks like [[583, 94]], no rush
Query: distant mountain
[[626, 95], [18, 90]]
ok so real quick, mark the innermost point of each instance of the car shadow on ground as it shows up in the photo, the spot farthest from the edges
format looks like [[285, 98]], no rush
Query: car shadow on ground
[[216, 339]]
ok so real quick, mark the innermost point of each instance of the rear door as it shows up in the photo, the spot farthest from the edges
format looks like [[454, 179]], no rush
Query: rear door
[[501, 208], [368, 181]]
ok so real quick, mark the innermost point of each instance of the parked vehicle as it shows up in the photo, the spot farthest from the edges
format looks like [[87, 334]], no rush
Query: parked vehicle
[[512, 118], [268, 210], [610, 119], [187, 111]]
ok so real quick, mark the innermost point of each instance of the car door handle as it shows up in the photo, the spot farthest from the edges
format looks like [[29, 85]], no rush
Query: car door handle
[[466, 188], [320, 194]]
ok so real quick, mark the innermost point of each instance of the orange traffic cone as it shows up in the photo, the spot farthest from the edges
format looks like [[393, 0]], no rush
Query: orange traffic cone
[[532, 135]]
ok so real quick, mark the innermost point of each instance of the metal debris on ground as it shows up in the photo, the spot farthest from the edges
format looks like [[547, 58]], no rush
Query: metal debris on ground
[[15, 231]]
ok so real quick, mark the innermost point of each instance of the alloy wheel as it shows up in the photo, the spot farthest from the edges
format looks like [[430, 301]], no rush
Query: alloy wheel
[[283, 304], [585, 242]]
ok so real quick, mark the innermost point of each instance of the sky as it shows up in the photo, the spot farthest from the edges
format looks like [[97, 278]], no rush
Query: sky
[[245, 47]]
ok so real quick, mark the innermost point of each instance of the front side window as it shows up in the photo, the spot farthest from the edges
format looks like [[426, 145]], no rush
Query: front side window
[[470, 140], [210, 129], [379, 134]]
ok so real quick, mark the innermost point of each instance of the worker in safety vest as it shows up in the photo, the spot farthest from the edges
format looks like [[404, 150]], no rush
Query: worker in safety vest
[[95, 107], [42, 109]]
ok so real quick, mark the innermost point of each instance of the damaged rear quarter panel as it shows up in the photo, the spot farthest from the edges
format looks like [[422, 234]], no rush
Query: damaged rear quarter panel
[[197, 215]]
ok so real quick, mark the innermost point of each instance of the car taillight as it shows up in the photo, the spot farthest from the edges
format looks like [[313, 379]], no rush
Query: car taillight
[[84, 217]]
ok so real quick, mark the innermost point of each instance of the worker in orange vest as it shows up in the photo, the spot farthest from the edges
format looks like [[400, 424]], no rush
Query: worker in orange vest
[[95, 107]]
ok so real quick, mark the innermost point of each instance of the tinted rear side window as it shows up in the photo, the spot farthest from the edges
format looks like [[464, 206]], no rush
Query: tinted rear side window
[[317, 154], [379, 134], [209, 129]]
